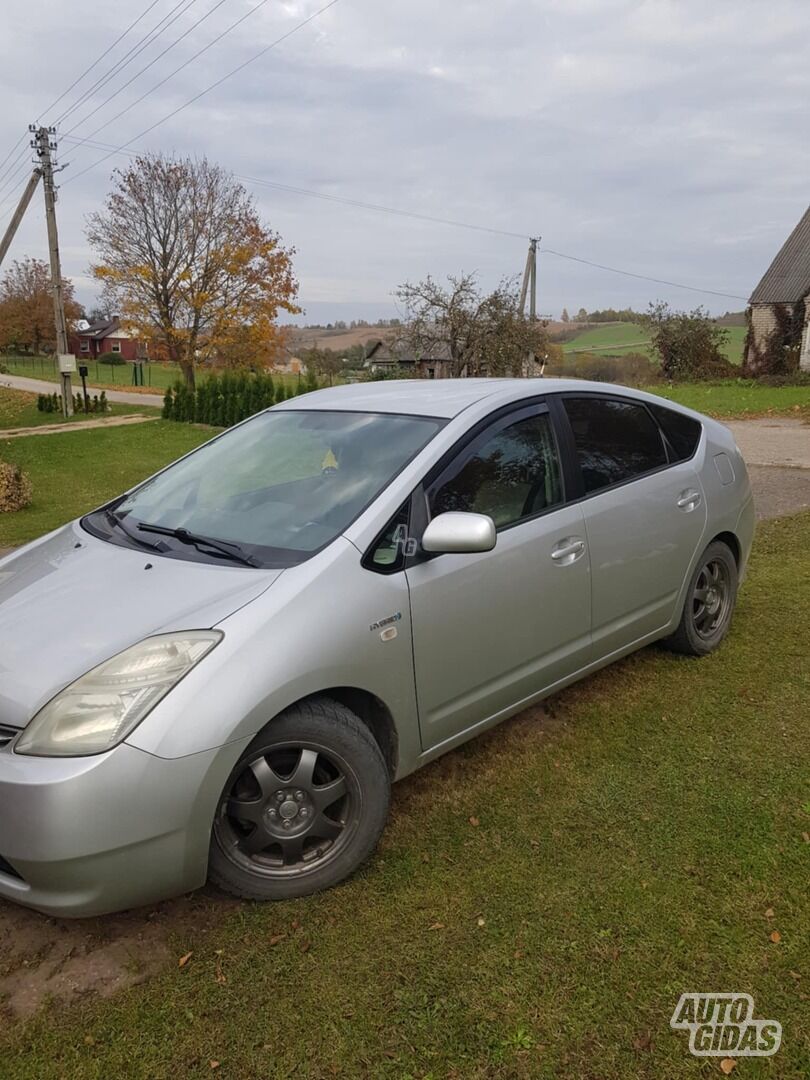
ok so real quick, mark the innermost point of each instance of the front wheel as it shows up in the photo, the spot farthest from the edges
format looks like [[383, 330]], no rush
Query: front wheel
[[709, 605], [304, 806]]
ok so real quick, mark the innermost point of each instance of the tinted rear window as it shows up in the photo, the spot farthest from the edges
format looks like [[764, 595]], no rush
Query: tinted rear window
[[615, 440], [682, 432]]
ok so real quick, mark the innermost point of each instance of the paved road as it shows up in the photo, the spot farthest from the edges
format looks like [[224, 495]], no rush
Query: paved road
[[39, 386], [776, 440]]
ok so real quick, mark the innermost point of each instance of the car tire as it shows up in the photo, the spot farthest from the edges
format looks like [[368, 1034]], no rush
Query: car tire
[[709, 605], [304, 806]]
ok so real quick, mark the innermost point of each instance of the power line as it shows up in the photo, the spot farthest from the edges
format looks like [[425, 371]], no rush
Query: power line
[[208, 89], [151, 63], [160, 28], [642, 277], [379, 208], [23, 138], [90, 67], [9, 187], [171, 74]]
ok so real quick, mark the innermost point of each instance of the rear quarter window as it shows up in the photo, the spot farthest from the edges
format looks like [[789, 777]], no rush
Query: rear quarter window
[[682, 432]]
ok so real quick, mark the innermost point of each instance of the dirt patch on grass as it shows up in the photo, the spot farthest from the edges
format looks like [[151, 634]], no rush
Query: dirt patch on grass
[[44, 959]]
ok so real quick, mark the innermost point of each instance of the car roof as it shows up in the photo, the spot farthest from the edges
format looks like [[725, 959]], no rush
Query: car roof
[[444, 398]]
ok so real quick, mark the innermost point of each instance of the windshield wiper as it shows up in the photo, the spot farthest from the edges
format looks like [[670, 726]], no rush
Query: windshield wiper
[[118, 523], [224, 547]]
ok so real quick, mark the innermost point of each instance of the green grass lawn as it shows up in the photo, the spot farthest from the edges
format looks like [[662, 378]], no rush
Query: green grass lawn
[[158, 376], [541, 898], [76, 471], [19, 410], [735, 399], [621, 338]]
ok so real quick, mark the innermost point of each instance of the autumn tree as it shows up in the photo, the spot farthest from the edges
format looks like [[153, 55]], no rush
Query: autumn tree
[[186, 261], [483, 333], [26, 307]]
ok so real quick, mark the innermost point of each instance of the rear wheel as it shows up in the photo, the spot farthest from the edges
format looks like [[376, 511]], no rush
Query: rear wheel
[[304, 807], [710, 602]]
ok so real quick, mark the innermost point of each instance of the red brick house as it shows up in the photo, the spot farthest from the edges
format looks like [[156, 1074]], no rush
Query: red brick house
[[90, 340]]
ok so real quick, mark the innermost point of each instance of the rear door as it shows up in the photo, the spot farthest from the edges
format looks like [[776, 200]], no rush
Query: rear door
[[645, 515], [493, 628]]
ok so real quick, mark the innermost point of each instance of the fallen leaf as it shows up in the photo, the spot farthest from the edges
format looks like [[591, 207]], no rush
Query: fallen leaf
[[184, 959], [482, 922], [220, 976], [769, 914], [475, 822], [519, 954], [275, 939], [806, 837], [305, 945], [436, 926], [643, 1041], [728, 1065], [776, 937], [214, 1064], [89, 1040]]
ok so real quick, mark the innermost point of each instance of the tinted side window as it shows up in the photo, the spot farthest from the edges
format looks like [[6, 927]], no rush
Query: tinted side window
[[512, 475], [615, 440], [682, 432]]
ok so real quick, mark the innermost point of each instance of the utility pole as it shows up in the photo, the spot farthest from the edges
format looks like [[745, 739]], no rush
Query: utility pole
[[43, 147], [530, 286], [19, 213]]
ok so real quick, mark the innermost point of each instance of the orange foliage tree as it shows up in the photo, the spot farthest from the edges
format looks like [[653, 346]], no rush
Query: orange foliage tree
[[26, 307], [190, 267]]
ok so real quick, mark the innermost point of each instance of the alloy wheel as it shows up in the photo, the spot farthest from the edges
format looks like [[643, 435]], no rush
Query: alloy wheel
[[711, 598], [289, 809]]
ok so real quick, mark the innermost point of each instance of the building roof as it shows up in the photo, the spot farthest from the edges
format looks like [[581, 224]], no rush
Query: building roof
[[395, 352], [101, 328], [787, 279]]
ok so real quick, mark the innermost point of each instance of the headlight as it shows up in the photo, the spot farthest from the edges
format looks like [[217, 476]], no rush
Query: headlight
[[101, 708]]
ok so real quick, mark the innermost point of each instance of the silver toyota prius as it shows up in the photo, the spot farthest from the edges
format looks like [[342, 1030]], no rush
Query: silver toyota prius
[[219, 674]]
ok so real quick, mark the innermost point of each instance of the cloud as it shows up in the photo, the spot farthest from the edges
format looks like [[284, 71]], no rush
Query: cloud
[[664, 136]]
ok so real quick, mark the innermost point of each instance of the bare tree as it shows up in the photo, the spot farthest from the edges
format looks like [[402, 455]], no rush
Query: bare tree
[[484, 334], [186, 261]]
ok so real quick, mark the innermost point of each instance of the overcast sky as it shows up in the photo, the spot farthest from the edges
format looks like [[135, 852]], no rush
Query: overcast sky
[[665, 137]]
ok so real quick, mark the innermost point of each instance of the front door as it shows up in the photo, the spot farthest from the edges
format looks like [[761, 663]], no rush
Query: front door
[[492, 629]]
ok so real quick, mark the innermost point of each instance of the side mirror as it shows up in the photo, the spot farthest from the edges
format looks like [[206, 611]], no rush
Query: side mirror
[[456, 532]]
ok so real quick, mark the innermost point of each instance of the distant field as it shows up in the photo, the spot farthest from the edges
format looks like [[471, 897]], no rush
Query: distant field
[[620, 338], [157, 376]]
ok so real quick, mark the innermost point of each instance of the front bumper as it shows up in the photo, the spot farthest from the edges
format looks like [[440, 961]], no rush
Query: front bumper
[[98, 834]]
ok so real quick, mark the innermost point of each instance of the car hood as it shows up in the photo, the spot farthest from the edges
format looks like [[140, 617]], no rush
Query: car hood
[[70, 601]]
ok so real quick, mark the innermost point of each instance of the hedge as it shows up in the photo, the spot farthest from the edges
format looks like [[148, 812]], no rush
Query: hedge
[[226, 399]]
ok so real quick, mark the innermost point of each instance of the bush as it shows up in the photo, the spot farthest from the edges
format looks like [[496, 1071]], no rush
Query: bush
[[689, 343], [15, 488], [111, 358], [222, 400], [49, 403]]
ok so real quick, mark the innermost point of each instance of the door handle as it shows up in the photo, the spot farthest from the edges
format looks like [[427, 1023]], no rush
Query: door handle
[[688, 500], [568, 550]]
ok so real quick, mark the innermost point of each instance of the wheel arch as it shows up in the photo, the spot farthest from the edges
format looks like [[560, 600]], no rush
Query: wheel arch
[[732, 542], [372, 711]]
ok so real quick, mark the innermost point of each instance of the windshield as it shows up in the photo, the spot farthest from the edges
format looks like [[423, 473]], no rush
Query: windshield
[[277, 488]]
